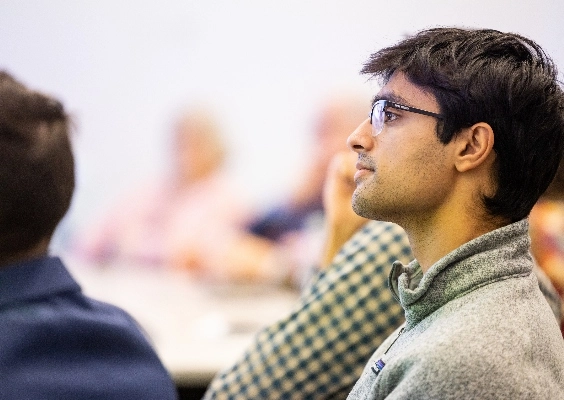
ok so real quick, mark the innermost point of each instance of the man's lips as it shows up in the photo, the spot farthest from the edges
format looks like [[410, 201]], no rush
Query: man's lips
[[362, 169], [361, 165]]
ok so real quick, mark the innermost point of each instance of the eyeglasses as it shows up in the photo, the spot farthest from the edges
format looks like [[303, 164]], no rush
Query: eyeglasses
[[378, 114]]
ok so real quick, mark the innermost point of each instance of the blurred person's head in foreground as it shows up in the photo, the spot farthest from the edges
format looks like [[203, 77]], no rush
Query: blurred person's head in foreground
[[37, 169]]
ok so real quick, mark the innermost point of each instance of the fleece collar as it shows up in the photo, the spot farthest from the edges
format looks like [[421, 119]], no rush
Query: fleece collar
[[492, 257]]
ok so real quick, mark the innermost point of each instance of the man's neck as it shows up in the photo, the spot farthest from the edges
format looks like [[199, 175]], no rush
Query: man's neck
[[434, 238], [37, 251]]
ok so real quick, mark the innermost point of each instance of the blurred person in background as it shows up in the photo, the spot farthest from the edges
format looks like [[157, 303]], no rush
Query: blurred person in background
[[282, 244], [197, 220], [186, 220], [546, 227], [55, 343], [337, 117]]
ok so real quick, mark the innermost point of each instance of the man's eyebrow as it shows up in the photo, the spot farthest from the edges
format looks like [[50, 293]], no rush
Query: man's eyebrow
[[391, 97]]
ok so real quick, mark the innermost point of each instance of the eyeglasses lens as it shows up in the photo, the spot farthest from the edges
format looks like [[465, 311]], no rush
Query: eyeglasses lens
[[377, 120]]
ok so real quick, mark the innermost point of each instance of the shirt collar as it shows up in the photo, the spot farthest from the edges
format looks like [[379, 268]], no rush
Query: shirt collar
[[33, 279]]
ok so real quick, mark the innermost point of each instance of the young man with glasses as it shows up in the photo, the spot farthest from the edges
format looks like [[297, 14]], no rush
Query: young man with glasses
[[464, 136]]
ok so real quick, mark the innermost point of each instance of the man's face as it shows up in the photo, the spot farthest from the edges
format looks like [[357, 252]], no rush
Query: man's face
[[404, 173]]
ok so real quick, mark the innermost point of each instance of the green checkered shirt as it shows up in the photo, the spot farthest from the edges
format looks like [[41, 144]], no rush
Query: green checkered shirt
[[321, 348]]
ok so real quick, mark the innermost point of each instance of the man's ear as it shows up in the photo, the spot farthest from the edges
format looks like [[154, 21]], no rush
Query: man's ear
[[473, 146]]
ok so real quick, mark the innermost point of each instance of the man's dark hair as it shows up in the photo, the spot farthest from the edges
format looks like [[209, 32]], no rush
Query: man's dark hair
[[503, 79], [36, 168]]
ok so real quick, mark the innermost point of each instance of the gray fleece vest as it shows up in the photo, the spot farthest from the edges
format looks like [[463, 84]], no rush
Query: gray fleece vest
[[477, 327]]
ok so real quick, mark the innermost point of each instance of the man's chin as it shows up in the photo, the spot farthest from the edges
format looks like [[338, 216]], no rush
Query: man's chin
[[361, 206], [365, 208]]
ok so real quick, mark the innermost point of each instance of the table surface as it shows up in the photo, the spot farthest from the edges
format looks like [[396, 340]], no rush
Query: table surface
[[197, 328]]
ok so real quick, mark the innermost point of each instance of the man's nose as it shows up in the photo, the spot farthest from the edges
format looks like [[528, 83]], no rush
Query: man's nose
[[361, 139]]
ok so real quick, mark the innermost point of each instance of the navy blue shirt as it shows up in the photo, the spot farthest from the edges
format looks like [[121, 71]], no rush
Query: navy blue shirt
[[56, 343]]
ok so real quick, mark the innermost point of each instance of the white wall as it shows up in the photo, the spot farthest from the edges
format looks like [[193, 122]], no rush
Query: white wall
[[123, 67]]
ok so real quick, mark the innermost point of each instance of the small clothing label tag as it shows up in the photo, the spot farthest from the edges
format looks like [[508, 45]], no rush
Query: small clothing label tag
[[378, 366]]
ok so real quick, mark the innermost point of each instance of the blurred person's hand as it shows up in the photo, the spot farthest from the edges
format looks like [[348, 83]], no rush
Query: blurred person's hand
[[341, 221]]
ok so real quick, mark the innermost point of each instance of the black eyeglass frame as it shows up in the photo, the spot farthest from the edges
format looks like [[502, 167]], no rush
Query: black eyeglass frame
[[393, 104]]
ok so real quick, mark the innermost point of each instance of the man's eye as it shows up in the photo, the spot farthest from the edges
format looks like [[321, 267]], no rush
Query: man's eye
[[389, 116]]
